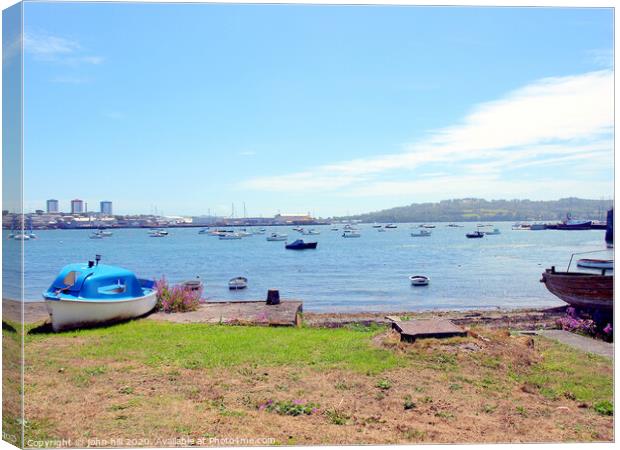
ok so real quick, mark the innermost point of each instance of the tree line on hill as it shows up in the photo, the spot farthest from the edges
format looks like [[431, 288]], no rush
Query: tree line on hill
[[477, 209]]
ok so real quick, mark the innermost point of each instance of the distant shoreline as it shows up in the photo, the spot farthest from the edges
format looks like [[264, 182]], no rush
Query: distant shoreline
[[306, 224]]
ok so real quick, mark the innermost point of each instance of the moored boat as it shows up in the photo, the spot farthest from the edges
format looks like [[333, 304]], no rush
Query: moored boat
[[299, 244], [237, 283], [391, 225], [475, 234], [277, 237], [229, 236], [581, 289], [193, 285], [419, 280], [492, 232], [89, 294], [421, 233], [601, 264], [351, 234]]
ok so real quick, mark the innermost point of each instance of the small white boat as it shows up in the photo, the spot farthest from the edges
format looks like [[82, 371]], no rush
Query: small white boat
[[237, 283], [377, 225], [96, 236], [311, 232], [88, 294], [351, 234], [21, 237], [601, 264], [391, 225], [243, 233], [495, 231], [277, 237], [229, 236], [421, 233], [427, 226], [419, 280], [193, 285], [156, 234], [160, 231]]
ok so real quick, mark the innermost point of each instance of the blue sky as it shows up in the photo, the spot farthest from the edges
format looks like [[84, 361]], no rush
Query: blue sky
[[327, 109]]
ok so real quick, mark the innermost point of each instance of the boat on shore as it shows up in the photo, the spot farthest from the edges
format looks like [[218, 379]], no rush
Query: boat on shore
[[90, 294], [419, 280], [581, 289], [299, 244], [475, 234], [277, 237], [600, 264], [237, 283]]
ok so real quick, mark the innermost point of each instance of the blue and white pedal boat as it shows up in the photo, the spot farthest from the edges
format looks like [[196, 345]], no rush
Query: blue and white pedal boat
[[90, 294]]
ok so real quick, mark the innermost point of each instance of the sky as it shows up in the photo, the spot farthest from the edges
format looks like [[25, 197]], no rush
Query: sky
[[188, 109]]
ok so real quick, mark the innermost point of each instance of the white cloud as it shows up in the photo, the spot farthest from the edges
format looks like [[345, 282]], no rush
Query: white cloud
[[247, 153], [549, 122], [50, 48]]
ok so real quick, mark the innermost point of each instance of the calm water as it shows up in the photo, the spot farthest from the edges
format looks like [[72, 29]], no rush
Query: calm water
[[358, 274]]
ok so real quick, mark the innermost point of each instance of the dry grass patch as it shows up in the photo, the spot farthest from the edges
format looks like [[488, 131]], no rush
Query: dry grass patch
[[489, 388]]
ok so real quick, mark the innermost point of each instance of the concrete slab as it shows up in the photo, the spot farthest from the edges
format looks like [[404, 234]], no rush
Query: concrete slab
[[579, 342], [411, 330], [245, 313]]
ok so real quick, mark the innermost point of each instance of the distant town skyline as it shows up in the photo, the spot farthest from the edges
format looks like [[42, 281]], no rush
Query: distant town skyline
[[332, 110]]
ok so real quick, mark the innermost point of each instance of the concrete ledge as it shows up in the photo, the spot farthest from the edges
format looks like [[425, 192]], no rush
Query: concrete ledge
[[583, 343], [243, 313]]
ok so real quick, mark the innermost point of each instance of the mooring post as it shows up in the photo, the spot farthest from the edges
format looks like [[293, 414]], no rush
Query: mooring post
[[273, 297]]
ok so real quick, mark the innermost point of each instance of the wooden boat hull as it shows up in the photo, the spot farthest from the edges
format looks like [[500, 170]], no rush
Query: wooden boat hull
[[582, 290], [68, 314]]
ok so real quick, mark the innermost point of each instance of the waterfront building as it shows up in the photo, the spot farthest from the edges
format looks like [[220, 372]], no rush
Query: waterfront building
[[296, 219], [77, 206], [106, 207], [52, 206]]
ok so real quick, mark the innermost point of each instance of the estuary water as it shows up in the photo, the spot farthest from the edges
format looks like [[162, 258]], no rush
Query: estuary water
[[369, 273]]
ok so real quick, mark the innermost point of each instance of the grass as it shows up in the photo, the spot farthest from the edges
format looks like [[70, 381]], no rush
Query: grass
[[195, 346], [161, 379], [565, 372]]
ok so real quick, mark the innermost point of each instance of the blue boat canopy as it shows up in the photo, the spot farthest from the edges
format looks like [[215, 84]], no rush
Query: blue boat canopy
[[96, 282]]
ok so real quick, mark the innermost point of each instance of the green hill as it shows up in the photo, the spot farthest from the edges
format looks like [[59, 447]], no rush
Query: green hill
[[476, 209]]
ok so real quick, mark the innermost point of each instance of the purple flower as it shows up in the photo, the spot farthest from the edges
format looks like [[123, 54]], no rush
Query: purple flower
[[608, 329]]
